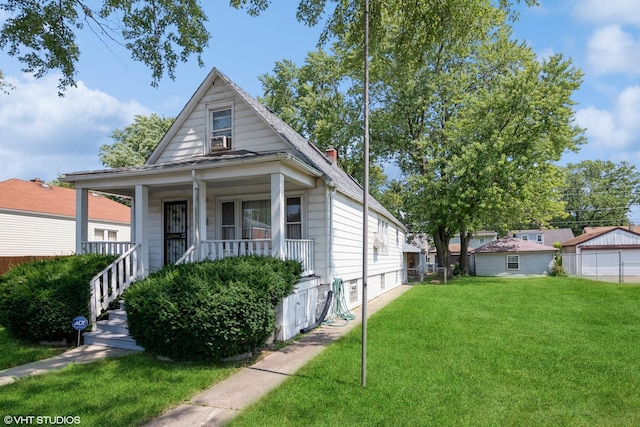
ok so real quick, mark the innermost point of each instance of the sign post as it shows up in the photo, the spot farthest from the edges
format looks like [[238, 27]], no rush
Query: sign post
[[79, 323]]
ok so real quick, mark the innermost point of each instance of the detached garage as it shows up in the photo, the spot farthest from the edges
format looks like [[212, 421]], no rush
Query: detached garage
[[604, 253], [510, 256]]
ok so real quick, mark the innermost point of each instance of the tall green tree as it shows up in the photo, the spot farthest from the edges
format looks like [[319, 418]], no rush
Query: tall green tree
[[323, 102], [598, 193], [133, 144], [43, 34], [476, 124]]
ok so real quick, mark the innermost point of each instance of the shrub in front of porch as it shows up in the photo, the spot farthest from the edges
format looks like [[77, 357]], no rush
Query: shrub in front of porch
[[38, 300], [210, 310]]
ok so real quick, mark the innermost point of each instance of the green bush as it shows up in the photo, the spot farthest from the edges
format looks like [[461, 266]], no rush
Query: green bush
[[38, 300], [209, 310]]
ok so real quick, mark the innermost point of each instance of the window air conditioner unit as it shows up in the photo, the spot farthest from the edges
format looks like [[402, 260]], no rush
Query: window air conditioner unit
[[379, 243], [219, 143]]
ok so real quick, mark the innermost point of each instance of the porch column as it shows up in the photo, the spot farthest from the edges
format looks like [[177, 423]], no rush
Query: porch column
[[141, 230], [277, 215], [199, 216], [82, 218]]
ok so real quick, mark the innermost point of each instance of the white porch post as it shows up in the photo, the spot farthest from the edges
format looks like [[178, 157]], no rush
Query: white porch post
[[82, 218], [199, 214], [141, 229], [277, 215]]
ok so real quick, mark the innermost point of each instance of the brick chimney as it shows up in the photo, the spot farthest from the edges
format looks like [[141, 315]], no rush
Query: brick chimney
[[332, 155]]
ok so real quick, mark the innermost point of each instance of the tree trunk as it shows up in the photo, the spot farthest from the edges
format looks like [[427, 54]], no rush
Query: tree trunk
[[441, 239], [464, 256]]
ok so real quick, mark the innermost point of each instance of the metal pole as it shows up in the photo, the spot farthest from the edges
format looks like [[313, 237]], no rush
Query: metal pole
[[365, 197]]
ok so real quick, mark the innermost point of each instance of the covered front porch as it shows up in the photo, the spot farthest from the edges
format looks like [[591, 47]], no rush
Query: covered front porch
[[192, 211]]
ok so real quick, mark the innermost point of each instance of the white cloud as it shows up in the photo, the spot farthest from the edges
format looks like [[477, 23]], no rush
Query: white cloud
[[612, 50], [618, 129], [44, 135], [609, 11]]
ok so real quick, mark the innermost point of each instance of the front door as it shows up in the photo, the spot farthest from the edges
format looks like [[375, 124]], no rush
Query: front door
[[175, 231]]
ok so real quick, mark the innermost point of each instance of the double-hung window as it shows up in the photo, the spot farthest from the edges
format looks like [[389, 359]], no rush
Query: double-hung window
[[255, 219], [513, 262], [220, 126]]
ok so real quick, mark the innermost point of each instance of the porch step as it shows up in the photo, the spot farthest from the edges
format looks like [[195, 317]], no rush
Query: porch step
[[113, 332]]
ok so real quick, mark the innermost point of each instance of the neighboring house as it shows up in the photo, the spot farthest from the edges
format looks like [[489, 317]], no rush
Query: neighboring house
[[604, 253], [545, 237], [477, 239], [509, 256], [231, 178], [37, 219]]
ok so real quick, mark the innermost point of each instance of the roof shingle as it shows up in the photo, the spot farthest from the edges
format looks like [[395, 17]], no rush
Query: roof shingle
[[36, 196]]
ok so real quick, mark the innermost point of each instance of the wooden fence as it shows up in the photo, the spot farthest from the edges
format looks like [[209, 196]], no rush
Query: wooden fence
[[6, 262]]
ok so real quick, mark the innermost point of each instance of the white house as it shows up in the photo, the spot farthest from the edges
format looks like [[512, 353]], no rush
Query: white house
[[37, 219], [510, 256], [231, 178]]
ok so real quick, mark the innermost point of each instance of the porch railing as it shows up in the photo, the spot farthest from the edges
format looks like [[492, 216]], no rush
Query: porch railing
[[301, 250], [108, 285], [106, 247]]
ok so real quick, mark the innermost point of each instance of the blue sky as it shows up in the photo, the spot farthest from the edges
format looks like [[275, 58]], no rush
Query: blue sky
[[42, 135]]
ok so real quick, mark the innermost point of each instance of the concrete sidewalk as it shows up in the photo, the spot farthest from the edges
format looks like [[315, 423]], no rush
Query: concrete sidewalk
[[224, 400], [83, 354]]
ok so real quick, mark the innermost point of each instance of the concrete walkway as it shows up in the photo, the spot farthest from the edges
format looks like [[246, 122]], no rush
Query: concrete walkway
[[83, 354], [224, 400]]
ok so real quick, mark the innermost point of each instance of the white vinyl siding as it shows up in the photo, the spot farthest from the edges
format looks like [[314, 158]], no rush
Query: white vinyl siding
[[249, 131], [347, 247], [25, 234]]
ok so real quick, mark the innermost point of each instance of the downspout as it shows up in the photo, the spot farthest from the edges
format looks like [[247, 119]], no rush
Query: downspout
[[331, 265]]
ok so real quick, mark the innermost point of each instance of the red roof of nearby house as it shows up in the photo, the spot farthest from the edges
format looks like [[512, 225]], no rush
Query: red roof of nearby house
[[454, 248], [593, 232], [513, 244], [36, 196]]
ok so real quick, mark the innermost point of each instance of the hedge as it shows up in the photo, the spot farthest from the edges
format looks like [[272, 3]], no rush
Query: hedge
[[210, 310], [38, 300]]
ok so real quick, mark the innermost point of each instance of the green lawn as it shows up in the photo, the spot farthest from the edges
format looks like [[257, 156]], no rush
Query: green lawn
[[479, 351], [114, 392], [14, 352], [549, 351]]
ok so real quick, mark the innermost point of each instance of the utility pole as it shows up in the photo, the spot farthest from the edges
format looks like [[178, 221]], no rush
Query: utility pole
[[365, 197]]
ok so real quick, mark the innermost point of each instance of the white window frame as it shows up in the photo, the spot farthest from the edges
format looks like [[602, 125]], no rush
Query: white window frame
[[515, 259], [525, 237], [211, 108], [539, 238], [353, 291], [237, 201]]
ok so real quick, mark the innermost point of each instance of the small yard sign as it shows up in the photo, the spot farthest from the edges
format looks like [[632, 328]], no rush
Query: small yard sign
[[79, 323]]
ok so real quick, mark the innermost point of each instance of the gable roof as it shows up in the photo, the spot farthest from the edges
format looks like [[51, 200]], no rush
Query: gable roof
[[512, 244], [634, 228], [307, 151], [550, 235], [37, 197], [595, 232]]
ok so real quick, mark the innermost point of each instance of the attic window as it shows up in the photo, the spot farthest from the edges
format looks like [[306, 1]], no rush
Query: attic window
[[220, 128]]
